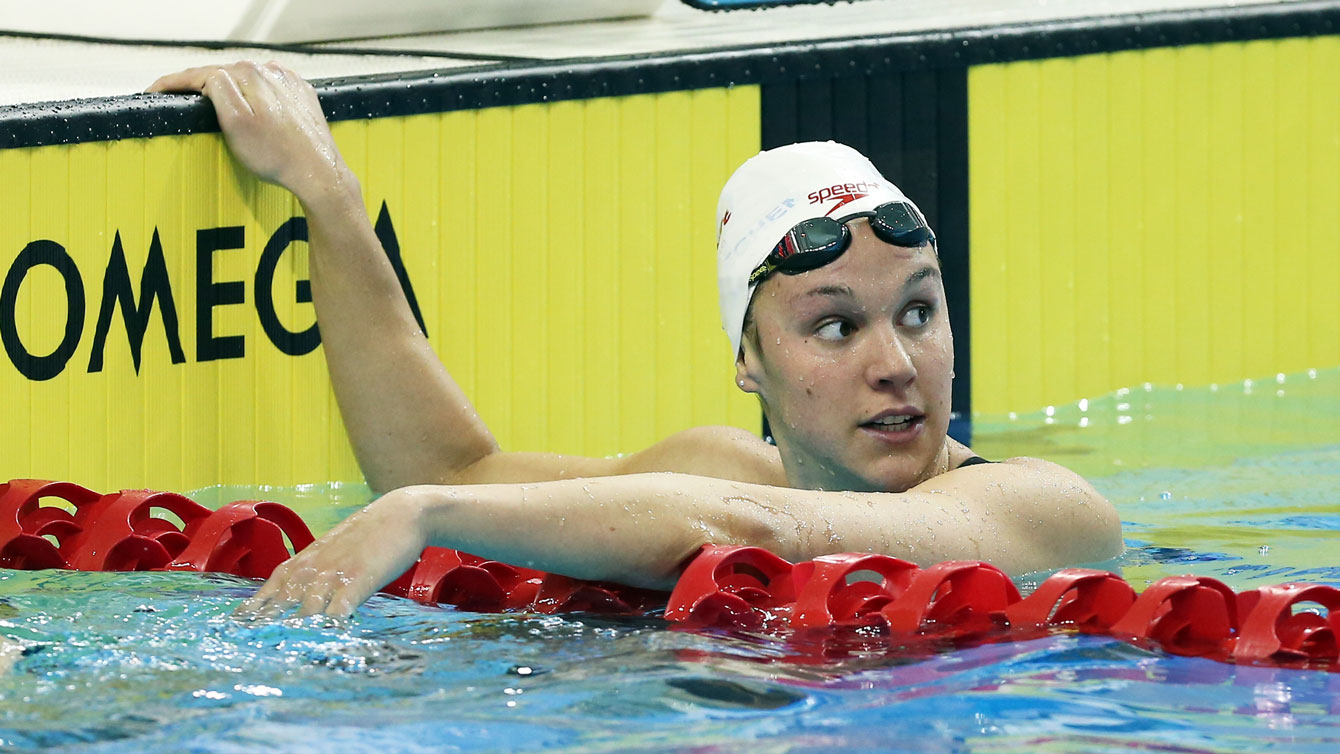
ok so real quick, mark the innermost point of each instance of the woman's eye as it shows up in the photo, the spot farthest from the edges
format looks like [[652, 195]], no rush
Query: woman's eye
[[916, 316], [835, 330]]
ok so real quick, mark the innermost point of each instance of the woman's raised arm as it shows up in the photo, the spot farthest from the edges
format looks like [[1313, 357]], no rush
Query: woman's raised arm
[[408, 420]]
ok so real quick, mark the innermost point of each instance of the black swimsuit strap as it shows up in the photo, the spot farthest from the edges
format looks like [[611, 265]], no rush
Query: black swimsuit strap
[[973, 461]]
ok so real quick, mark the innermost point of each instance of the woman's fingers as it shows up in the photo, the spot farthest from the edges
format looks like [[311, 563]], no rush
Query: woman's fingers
[[189, 80], [347, 565], [229, 102], [271, 119]]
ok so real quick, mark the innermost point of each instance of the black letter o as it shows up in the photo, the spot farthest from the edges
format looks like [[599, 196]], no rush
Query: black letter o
[[39, 368]]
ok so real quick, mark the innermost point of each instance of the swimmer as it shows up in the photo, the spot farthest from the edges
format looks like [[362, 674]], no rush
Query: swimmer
[[831, 295]]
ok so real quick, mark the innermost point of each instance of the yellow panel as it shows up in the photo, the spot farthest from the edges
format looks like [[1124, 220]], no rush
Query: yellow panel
[[1158, 214], [127, 187], [673, 223], [1091, 227], [351, 138], [91, 240], [1122, 132], [603, 400], [638, 299], [1191, 261], [1024, 270], [49, 220], [1323, 196], [988, 238], [1227, 143], [712, 368], [1162, 216], [563, 233], [1259, 92], [160, 384], [530, 255], [457, 249], [1056, 191], [494, 375], [16, 449], [204, 163], [1291, 205]]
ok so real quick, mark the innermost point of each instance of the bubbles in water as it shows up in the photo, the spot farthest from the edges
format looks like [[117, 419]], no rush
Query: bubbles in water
[[1279, 378]]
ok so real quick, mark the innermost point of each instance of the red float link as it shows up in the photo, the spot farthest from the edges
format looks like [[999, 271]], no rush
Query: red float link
[[245, 538], [961, 595], [1186, 615], [828, 597], [25, 523], [117, 532], [1089, 600], [731, 586], [1272, 633]]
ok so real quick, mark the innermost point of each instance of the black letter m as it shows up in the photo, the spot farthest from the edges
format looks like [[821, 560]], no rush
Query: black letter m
[[154, 284]]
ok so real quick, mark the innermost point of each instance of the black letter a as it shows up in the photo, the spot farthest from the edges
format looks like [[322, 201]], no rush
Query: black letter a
[[154, 284], [386, 234]]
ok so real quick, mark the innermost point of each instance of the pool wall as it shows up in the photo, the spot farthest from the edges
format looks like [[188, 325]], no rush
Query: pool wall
[[1178, 172]]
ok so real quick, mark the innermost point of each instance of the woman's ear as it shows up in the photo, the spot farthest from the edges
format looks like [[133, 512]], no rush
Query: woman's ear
[[748, 367]]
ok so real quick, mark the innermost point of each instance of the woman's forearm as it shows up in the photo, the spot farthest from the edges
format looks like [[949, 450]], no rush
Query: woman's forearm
[[408, 420], [636, 529]]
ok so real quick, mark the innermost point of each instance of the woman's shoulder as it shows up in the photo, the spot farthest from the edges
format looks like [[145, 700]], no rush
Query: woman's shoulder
[[722, 452]]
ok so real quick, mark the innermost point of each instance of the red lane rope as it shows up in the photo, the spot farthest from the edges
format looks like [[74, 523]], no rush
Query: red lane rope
[[745, 588]]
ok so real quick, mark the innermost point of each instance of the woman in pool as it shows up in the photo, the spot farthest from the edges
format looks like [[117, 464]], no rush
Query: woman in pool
[[840, 329]]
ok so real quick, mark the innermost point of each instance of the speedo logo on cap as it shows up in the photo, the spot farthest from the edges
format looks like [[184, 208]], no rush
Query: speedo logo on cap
[[846, 191]]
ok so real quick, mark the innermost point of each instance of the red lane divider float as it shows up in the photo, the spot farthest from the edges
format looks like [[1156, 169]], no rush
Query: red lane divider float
[[745, 588]]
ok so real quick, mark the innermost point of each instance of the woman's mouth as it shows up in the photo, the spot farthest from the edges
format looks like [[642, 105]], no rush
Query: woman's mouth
[[894, 427]]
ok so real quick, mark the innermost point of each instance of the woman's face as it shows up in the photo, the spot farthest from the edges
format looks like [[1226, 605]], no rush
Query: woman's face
[[853, 362]]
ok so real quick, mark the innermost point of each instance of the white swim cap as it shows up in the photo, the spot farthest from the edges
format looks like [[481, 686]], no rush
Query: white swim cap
[[769, 194]]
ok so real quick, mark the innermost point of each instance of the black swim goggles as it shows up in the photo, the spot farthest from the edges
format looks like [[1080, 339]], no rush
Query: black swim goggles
[[815, 242]]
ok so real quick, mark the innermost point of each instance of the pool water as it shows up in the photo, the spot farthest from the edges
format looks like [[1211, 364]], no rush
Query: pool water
[[1240, 482]]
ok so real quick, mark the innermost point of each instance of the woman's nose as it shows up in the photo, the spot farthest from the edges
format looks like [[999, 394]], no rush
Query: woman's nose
[[889, 364]]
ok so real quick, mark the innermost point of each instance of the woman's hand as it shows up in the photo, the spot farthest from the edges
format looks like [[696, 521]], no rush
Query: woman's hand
[[272, 121], [363, 553]]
